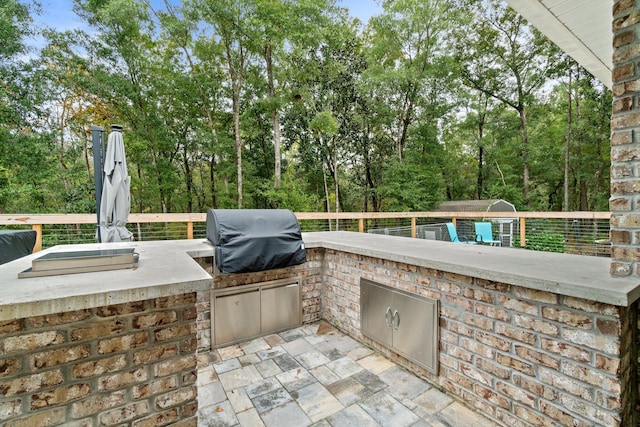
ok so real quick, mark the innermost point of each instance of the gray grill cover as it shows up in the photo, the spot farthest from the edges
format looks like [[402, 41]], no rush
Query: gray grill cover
[[247, 240], [15, 244]]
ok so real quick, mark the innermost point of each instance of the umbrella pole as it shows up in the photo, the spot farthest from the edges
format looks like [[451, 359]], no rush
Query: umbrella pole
[[97, 138]]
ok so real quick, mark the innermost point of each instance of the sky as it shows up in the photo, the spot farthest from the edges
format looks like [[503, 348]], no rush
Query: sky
[[59, 14]]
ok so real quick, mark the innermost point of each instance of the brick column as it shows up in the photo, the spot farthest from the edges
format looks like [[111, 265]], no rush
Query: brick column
[[625, 140]]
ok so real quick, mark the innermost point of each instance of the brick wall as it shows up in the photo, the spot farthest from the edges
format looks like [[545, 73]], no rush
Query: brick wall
[[625, 172], [131, 364], [312, 286], [625, 140], [522, 357]]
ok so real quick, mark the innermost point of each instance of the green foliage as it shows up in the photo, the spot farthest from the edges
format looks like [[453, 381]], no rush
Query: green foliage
[[408, 186], [546, 243], [293, 194], [13, 19], [426, 102], [324, 124]]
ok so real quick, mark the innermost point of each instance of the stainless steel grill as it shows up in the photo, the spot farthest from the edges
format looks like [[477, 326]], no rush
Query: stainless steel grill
[[248, 240], [253, 240]]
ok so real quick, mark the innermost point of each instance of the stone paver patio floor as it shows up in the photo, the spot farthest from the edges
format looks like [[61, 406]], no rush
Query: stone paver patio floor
[[316, 376]]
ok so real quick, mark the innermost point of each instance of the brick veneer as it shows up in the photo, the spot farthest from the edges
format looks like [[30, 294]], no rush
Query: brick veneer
[[130, 364], [522, 357], [625, 173], [625, 140]]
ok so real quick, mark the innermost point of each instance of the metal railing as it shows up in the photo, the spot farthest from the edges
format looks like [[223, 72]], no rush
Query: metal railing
[[585, 233]]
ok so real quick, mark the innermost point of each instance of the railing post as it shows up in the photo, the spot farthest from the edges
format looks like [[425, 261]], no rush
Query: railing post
[[38, 229], [413, 227], [361, 225], [523, 232], [189, 230], [453, 220]]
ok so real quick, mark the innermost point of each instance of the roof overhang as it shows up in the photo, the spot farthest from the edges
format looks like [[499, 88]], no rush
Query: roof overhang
[[582, 28]]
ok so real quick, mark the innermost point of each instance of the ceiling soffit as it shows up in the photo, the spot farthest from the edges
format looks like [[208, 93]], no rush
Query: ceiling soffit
[[582, 28]]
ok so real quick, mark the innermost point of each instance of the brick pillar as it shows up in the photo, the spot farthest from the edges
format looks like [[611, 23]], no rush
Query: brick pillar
[[625, 140]]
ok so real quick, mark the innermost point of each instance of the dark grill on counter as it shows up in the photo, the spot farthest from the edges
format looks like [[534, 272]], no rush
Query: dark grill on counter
[[247, 240]]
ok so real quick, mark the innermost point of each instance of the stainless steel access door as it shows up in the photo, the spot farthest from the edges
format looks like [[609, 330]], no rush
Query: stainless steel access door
[[404, 322], [415, 328], [280, 307], [237, 315], [376, 312]]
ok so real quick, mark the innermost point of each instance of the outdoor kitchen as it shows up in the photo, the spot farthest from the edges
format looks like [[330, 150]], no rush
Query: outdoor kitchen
[[231, 329], [517, 342]]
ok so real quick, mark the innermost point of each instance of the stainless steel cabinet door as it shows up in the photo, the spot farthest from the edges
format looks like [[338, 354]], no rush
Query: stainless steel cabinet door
[[376, 312], [237, 316], [415, 328], [280, 307]]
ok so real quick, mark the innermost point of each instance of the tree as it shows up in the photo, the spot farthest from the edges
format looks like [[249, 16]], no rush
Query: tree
[[28, 169], [188, 86], [231, 23], [372, 118], [281, 25], [410, 63], [325, 127], [505, 58], [121, 66], [585, 103]]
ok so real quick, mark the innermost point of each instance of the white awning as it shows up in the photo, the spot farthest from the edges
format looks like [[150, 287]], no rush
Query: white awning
[[582, 28]]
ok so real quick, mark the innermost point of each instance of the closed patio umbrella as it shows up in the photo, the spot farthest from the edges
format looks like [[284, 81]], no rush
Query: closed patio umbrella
[[115, 203]]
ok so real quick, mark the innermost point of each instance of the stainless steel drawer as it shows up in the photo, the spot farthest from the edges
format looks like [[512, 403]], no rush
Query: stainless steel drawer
[[237, 316]]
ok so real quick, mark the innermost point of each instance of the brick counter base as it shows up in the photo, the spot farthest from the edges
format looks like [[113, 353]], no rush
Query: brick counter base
[[521, 357], [130, 364]]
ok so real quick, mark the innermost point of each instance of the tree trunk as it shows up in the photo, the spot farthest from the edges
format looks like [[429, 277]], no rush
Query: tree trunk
[[565, 204], [211, 123], [584, 202], [370, 185], [335, 179], [525, 152], [140, 205], [212, 168], [163, 204], [480, 171], [188, 178], [276, 148], [481, 122], [236, 75], [405, 121], [326, 194], [238, 139], [275, 119]]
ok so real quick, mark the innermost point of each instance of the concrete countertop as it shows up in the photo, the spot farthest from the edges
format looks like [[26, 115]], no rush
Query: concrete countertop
[[165, 268], [571, 275]]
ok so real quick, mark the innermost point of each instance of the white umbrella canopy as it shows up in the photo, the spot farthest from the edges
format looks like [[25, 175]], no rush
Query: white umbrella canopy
[[115, 203]]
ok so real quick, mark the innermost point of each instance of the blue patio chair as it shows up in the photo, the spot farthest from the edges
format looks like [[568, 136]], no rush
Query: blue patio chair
[[484, 234], [453, 234]]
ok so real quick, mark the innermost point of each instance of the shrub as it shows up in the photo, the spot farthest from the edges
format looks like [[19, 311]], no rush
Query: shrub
[[546, 243]]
